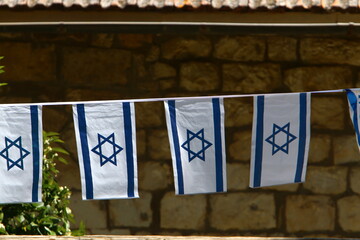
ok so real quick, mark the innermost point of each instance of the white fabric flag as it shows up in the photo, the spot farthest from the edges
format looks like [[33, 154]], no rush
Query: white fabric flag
[[20, 154], [106, 143], [197, 141], [353, 96], [280, 139]]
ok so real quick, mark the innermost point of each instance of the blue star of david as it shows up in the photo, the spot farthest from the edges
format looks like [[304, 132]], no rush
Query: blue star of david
[[99, 151], [18, 161], [204, 145], [284, 147]]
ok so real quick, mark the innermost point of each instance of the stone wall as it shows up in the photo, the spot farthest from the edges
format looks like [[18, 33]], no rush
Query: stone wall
[[43, 67]]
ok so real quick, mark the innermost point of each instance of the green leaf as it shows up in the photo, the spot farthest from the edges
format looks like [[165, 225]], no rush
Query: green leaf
[[60, 150]]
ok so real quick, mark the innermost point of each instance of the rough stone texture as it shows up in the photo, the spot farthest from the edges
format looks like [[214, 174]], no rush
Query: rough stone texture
[[131, 212], [87, 95], [318, 78], [293, 187], [110, 232], [154, 176], [88, 65], [319, 148], [86, 210], [54, 112], [240, 146], [162, 70], [349, 213], [158, 143], [240, 49], [309, 213], [327, 113], [242, 211], [102, 40], [197, 76], [182, 48], [238, 112], [282, 49], [183, 212], [28, 62], [331, 50], [326, 180], [238, 176], [355, 179], [251, 78], [149, 114], [345, 149], [132, 41], [140, 142]]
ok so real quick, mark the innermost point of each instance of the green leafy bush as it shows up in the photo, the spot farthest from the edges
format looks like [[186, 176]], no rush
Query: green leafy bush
[[53, 216]]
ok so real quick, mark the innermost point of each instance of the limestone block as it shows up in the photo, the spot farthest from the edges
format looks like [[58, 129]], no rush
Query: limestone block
[[131, 212], [240, 146], [183, 48], [90, 66], [331, 50], [345, 149], [238, 112], [162, 70], [153, 54], [69, 174], [27, 62], [251, 78], [282, 49], [167, 84], [140, 142], [154, 176], [318, 78], [238, 176], [240, 49], [149, 114], [309, 213], [326, 180], [106, 231], [349, 213], [86, 94], [158, 144], [102, 40], [319, 148], [182, 212], [198, 76], [328, 113], [132, 41], [242, 211], [293, 187], [92, 213], [54, 118], [355, 179]]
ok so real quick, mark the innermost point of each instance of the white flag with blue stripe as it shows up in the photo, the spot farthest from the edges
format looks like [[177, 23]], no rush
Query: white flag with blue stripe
[[106, 143], [197, 141], [20, 154], [353, 96], [280, 139]]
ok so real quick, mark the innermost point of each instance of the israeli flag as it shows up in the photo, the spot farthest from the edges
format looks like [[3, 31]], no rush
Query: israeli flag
[[20, 154], [106, 144], [353, 96], [280, 139], [197, 141]]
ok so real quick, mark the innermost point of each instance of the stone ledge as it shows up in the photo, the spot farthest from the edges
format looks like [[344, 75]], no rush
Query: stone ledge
[[130, 237]]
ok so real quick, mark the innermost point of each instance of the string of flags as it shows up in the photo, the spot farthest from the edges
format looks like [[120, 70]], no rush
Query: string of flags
[[106, 143]]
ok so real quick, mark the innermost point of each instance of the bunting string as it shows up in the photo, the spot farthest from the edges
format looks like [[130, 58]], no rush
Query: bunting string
[[163, 99]]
